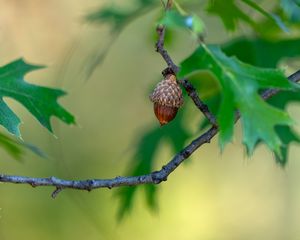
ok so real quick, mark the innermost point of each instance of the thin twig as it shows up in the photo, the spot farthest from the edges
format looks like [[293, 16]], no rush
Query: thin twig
[[152, 178], [271, 92], [190, 89], [90, 184], [160, 48]]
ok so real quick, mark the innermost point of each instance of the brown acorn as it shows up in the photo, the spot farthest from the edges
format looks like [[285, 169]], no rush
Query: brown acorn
[[167, 99]]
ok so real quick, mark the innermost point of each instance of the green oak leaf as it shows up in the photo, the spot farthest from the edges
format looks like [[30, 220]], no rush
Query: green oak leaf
[[231, 13], [261, 52], [288, 135], [16, 148], [174, 135], [266, 53], [118, 17], [41, 102], [275, 19], [240, 83], [209, 90], [142, 164], [114, 16]]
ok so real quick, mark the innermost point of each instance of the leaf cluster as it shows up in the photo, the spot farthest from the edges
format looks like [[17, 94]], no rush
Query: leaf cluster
[[242, 68]]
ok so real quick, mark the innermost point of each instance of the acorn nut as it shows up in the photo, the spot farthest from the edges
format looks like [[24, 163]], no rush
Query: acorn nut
[[167, 99]]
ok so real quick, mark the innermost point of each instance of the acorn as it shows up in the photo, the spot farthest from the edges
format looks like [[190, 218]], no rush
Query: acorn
[[167, 99]]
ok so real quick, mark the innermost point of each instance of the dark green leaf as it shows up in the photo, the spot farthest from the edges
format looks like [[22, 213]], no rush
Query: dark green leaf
[[287, 135], [173, 134], [265, 53], [213, 103], [17, 148], [208, 89], [273, 17], [231, 13], [114, 16], [240, 83], [262, 53], [151, 195], [11, 146], [41, 102], [143, 161], [118, 17]]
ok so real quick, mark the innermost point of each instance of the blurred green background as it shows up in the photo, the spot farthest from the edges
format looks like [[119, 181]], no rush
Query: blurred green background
[[214, 196]]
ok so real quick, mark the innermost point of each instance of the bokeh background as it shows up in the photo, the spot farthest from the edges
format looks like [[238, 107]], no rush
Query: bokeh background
[[213, 196]]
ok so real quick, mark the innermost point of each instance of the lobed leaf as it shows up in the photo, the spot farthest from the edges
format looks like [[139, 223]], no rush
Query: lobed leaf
[[266, 53], [288, 136], [240, 84], [41, 102]]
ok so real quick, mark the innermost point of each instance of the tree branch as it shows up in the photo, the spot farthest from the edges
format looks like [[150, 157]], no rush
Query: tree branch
[[191, 91], [151, 178], [90, 184], [189, 88], [173, 68], [154, 177]]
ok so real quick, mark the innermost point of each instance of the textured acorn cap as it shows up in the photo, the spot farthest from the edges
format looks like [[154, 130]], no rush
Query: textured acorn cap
[[167, 99], [167, 93]]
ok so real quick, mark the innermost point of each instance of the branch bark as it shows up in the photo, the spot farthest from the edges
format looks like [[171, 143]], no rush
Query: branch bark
[[151, 178], [154, 177], [173, 68]]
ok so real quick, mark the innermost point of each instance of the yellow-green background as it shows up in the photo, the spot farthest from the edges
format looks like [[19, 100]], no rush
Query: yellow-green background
[[215, 196]]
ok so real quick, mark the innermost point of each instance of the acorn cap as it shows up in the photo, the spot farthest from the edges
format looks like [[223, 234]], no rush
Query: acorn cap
[[167, 93], [167, 99]]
